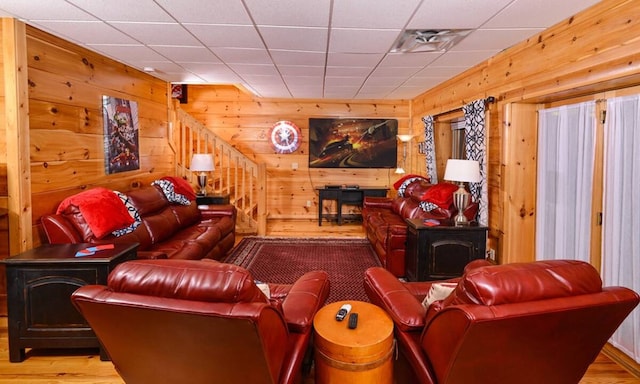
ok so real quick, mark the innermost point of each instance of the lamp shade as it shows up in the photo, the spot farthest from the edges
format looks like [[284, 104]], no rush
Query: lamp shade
[[405, 138], [202, 162], [467, 171]]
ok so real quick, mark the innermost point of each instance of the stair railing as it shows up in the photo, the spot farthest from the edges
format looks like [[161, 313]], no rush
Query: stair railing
[[235, 175]]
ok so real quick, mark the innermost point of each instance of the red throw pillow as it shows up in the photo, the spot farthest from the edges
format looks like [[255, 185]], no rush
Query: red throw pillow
[[101, 208], [398, 183], [440, 194], [181, 186]]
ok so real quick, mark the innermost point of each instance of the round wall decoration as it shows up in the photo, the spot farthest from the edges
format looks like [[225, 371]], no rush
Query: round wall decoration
[[285, 137]]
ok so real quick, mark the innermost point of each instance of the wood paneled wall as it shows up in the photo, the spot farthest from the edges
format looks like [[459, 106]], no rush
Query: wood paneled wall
[[66, 85], [593, 51], [245, 121]]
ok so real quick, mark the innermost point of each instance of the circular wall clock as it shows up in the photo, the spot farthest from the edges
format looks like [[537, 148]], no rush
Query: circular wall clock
[[285, 137]]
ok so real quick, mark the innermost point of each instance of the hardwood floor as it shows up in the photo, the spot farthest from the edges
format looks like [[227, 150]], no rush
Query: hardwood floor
[[84, 366]]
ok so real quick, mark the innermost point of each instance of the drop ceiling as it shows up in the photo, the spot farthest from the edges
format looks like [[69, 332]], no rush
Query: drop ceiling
[[335, 49]]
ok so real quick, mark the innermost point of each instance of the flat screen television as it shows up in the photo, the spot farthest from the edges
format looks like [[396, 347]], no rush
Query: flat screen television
[[352, 143]]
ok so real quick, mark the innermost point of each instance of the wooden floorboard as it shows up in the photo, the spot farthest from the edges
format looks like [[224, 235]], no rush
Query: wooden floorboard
[[85, 366]]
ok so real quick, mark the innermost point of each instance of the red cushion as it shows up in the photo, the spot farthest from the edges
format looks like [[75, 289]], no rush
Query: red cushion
[[101, 208], [440, 194], [398, 183], [181, 186]]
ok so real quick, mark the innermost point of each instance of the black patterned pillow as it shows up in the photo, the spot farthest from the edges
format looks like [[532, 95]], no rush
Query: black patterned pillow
[[408, 180], [428, 206], [132, 211], [168, 190]]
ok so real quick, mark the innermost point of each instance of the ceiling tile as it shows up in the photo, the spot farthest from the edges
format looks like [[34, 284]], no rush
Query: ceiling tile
[[295, 39], [157, 33], [368, 14], [241, 55], [354, 59], [124, 10], [307, 13], [361, 40], [281, 57], [86, 32], [44, 10], [186, 54], [537, 14], [453, 14], [301, 70], [229, 36], [207, 11]]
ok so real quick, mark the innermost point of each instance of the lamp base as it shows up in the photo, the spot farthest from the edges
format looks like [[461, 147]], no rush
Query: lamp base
[[202, 183], [461, 200]]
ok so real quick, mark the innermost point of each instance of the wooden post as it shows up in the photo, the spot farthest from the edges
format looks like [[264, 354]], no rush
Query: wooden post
[[14, 46]]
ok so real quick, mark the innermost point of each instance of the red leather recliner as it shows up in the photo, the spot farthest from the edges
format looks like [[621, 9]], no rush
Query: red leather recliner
[[201, 321], [540, 322]]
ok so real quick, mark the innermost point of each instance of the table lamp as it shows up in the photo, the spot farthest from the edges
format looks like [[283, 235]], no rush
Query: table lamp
[[202, 162], [462, 171]]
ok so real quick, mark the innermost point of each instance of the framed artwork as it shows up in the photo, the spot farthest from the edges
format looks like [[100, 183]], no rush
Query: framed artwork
[[120, 119], [353, 143], [179, 91]]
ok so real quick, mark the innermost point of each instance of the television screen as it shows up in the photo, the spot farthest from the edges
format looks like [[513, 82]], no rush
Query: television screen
[[352, 143]]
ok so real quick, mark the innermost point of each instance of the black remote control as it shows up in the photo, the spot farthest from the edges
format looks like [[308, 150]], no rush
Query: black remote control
[[353, 320]]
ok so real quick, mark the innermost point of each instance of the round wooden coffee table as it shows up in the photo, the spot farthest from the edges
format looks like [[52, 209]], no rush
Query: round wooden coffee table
[[360, 355]]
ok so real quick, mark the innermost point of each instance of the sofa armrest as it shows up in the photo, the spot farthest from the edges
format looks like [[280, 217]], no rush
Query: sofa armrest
[[389, 293], [59, 230], [377, 202], [210, 211], [306, 296]]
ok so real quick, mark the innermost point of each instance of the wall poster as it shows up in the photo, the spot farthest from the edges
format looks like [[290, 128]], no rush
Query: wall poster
[[120, 118]]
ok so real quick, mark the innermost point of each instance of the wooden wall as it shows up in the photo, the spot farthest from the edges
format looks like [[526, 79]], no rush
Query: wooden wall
[[66, 85], [245, 121], [593, 51]]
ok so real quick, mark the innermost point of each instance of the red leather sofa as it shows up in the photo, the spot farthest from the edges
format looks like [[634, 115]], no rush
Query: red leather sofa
[[539, 322], [190, 321], [167, 229], [384, 223]]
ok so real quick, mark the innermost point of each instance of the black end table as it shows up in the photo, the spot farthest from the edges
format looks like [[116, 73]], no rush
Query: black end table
[[212, 199], [442, 251], [39, 285]]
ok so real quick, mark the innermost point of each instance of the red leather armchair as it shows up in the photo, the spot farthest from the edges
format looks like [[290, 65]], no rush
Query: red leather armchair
[[540, 322], [175, 321]]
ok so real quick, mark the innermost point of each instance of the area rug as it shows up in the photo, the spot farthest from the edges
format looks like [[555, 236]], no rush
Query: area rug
[[284, 260]]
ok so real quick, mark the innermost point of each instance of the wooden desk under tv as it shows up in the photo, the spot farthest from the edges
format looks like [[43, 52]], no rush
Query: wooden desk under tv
[[345, 195]]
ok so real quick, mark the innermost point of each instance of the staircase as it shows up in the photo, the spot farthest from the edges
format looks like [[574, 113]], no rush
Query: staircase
[[235, 174]]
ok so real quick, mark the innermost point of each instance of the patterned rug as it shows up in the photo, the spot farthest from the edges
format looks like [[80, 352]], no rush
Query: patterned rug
[[283, 260]]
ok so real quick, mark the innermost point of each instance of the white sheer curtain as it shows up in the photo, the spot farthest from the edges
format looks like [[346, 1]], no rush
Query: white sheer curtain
[[621, 212], [566, 148]]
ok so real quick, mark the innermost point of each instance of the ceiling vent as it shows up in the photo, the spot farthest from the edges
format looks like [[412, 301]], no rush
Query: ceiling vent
[[428, 40]]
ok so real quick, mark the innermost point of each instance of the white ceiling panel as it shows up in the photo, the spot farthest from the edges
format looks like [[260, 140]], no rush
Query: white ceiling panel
[[86, 32], [362, 40], [437, 14], [295, 39], [124, 10], [536, 14], [299, 13], [366, 14], [321, 48], [157, 33], [229, 36]]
